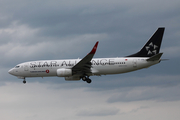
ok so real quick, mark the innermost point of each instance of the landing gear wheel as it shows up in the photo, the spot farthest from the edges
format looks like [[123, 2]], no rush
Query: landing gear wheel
[[88, 80], [84, 78], [24, 81]]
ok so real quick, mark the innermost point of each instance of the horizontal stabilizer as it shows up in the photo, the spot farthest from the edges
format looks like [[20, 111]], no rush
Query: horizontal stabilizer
[[155, 57]]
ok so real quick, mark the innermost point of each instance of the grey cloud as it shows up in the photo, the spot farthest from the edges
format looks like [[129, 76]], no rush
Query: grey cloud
[[120, 20], [146, 93], [99, 112], [131, 80], [80, 17], [140, 108]]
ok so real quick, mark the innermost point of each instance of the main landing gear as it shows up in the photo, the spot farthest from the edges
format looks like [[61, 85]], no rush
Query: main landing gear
[[86, 78]]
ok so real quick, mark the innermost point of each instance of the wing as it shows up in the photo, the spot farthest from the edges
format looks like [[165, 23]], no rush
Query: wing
[[84, 66]]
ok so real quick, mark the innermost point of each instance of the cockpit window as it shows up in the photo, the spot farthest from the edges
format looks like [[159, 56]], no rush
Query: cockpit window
[[17, 66]]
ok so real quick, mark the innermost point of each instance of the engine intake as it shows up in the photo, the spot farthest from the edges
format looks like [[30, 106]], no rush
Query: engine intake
[[64, 72]]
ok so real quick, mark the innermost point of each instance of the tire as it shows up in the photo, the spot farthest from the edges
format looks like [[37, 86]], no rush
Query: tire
[[24, 82], [88, 80]]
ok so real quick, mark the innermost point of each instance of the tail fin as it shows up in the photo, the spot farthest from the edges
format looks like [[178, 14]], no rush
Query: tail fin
[[152, 47]]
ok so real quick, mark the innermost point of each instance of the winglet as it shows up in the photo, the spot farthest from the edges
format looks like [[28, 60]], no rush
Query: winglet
[[93, 51]]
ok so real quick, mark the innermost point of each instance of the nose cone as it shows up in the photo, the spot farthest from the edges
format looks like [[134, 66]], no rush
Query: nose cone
[[11, 71]]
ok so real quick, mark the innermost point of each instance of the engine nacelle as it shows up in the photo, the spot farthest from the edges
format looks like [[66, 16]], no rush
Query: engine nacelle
[[72, 78], [64, 72]]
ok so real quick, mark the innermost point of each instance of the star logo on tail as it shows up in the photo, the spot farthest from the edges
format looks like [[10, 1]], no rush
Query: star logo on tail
[[151, 48]]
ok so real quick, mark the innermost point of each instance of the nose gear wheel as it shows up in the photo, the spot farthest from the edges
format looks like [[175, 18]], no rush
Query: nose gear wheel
[[24, 81]]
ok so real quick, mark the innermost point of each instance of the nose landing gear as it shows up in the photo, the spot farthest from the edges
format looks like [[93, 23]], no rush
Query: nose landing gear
[[24, 81]]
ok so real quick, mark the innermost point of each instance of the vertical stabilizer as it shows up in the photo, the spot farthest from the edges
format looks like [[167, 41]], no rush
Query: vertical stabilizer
[[153, 46]]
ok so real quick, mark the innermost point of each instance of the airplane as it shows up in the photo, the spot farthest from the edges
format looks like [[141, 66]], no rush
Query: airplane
[[77, 69]]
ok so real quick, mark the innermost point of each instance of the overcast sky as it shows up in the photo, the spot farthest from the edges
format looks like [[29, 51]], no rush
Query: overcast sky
[[61, 29]]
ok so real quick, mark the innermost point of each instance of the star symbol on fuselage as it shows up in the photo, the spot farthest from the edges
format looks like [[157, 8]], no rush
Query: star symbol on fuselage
[[151, 48]]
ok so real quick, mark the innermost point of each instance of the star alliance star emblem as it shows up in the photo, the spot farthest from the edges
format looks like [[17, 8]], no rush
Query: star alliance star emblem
[[151, 48]]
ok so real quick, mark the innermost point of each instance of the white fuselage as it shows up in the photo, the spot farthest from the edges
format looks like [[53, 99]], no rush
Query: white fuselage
[[100, 66]]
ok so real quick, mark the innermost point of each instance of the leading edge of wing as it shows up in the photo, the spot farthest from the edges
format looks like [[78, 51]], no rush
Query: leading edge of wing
[[85, 64]]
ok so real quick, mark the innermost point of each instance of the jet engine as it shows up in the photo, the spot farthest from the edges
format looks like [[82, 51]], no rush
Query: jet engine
[[64, 72]]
